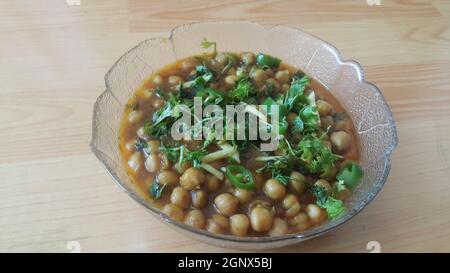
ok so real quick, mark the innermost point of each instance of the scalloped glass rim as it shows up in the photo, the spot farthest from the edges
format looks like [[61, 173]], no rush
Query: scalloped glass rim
[[319, 59]]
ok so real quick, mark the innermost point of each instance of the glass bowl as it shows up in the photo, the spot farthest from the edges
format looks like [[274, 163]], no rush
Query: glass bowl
[[320, 60]]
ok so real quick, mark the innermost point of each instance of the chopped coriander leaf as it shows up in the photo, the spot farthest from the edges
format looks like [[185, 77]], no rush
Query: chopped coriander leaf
[[210, 96], [157, 130], [310, 118], [317, 157], [163, 119], [295, 96], [172, 153], [201, 69], [243, 90], [279, 166], [194, 157], [350, 174], [163, 113], [210, 138], [207, 44], [282, 111], [159, 92], [283, 125], [335, 208], [297, 126], [199, 82], [266, 60], [283, 179], [281, 107], [230, 62], [302, 158], [181, 154], [339, 187], [141, 144], [156, 189]]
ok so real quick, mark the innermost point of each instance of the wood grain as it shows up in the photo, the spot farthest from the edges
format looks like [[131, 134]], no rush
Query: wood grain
[[53, 58]]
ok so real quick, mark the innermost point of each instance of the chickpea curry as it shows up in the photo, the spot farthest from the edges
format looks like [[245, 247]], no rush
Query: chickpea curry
[[232, 186]]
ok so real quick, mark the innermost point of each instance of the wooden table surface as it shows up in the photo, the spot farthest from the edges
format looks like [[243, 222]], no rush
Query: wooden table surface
[[54, 55]]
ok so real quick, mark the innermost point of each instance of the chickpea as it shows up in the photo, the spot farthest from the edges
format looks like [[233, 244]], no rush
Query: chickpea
[[248, 58], [158, 80], [260, 203], [327, 122], [195, 218], [192, 144], [274, 189], [135, 116], [173, 211], [135, 161], [218, 224], [158, 103], [342, 123], [276, 85], [199, 199], [341, 141], [212, 183], [192, 179], [239, 224], [260, 178], [231, 71], [227, 186], [214, 65], [130, 145], [324, 184], [231, 80], [327, 143], [291, 205], [153, 163], [299, 219], [259, 76], [282, 76], [343, 194], [324, 108], [261, 219], [189, 64], [279, 227], [222, 57], [153, 146], [285, 87], [174, 80], [269, 72], [297, 182], [141, 133], [244, 196], [146, 93], [226, 203], [165, 162], [180, 197], [291, 117], [315, 213], [192, 73], [168, 178]]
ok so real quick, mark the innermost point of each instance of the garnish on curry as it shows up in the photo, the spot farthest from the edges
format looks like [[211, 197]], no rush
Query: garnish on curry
[[232, 186]]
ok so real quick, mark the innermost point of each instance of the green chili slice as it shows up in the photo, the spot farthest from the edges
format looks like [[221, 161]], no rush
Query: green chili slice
[[267, 60], [351, 174], [240, 177]]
